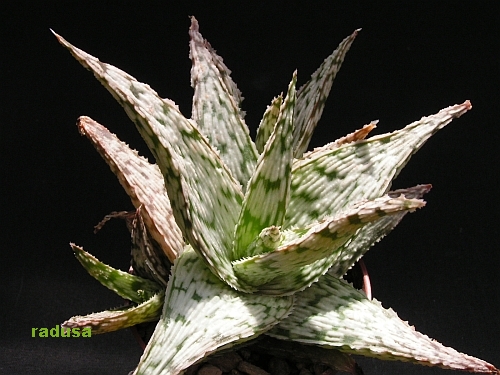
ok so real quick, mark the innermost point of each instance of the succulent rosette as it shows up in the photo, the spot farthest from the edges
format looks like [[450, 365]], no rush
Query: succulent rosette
[[259, 233]]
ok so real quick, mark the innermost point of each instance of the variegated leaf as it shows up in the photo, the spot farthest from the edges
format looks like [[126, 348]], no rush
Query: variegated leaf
[[268, 123], [202, 315], [148, 260], [331, 313], [205, 198], [288, 269], [142, 181], [131, 287], [216, 108], [333, 177], [373, 232], [268, 190], [312, 96], [113, 320]]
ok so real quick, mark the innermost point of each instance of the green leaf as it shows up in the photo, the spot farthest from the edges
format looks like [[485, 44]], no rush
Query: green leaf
[[205, 198], [133, 288], [113, 320], [288, 269], [331, 313], [333, 177], [268, 190], [216, 108], [268, 123], [142, 181], [202, 315], [312, 96]]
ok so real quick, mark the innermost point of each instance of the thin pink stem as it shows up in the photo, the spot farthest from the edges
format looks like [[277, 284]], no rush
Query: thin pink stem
[[367, 287]]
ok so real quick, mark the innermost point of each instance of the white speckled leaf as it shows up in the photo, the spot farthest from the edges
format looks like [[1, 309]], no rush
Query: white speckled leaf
[[373, 232], [202, 315], [216, 108], [333, 177], [205, 198], [113, 320], [133, 288], [268, 190], [288, 269], [312, 96], [331, 313], [268, 123], [142, 181]]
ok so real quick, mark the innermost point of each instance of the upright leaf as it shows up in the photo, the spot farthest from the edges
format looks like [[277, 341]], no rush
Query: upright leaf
[[268, 190], [216, 108], [333, 177], [331, 313], [268, 123], [312, 96], [202, 315], [205, 198]]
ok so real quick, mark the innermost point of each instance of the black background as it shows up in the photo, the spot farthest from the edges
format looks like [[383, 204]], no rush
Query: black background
[[438, 269]]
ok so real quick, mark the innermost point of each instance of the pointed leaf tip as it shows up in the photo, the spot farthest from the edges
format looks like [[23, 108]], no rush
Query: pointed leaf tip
[[268, 191], [127, 286], [142, 181], [373, 232], [331, 313], [306, 254], [119, 318], [216, 108], [334, 176], [311, 97], [268, 122], [207, 220]]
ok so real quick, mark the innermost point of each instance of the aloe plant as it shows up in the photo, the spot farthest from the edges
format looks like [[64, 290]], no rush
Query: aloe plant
[[259, 233]]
